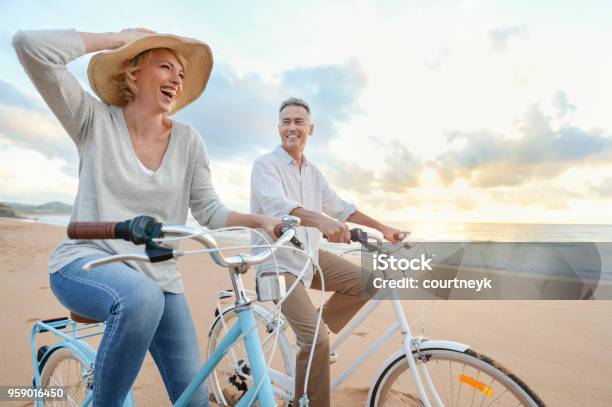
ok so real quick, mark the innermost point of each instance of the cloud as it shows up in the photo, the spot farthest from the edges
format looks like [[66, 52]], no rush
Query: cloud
[[11, 96], [28, 176], [603, 189], [38, 131], [489, 159], [562, 104], [401, 170], [350, 176], [434, 61], [237, 115], [501, 37], [332, 92], [547, 194]]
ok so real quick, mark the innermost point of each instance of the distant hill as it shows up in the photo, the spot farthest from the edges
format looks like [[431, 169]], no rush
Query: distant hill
[[6, 211], [49, 208]]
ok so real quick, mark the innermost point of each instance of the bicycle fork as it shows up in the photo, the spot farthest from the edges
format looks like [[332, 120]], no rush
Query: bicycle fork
[[256, 356], [261, 386], [407, 344]]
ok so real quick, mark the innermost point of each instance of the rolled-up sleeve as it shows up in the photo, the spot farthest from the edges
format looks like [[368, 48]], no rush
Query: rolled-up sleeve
[[206, 207], [333, 205], [267, 190]]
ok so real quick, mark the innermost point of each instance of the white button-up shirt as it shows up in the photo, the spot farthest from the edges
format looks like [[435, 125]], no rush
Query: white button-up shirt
[[278, 186]]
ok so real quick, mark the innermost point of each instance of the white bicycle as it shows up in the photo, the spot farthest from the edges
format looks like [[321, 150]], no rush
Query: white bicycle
[[422, 373]]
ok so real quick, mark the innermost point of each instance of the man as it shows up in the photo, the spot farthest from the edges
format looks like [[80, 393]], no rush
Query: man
[[285, 182]]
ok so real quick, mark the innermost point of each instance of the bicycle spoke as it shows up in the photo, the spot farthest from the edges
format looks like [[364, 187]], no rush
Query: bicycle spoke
[[460, 387], [499, 397], [491, 387], [446, 398], [450, 367]]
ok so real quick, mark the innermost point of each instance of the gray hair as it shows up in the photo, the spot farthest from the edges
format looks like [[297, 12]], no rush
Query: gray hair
[[294, 102]]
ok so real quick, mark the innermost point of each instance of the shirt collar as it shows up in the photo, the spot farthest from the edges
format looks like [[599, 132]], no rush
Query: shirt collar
[[287, 159]]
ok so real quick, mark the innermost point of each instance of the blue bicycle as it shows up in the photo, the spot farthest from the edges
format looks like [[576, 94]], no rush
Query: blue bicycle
[[69, 362]]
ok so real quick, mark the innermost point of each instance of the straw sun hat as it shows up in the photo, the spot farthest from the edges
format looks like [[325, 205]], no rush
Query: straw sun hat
[[105, 65]]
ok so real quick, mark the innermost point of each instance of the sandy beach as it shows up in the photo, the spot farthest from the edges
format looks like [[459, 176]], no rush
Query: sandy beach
[[562, 349]]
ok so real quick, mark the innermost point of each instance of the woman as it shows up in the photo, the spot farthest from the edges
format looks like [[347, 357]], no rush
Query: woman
[[133, 161]]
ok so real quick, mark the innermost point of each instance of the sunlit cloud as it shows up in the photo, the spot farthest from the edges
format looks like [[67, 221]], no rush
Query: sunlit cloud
[[489, 159], [502, 37]]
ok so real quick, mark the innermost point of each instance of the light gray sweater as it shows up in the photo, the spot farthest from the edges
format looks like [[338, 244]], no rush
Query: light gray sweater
[[112, 186]]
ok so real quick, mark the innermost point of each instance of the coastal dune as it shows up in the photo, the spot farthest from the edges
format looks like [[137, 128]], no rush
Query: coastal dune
[[560, 348]]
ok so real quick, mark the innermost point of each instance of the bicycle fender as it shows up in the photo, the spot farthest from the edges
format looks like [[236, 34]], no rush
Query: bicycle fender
[[456, 346], [83, 350]]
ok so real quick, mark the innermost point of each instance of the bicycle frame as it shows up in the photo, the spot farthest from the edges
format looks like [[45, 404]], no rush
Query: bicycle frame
[[261, 390], [410, 344], [246, 326]]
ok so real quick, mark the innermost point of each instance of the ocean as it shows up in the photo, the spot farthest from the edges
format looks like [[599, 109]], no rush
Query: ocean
[[451, 232], [540, 236]]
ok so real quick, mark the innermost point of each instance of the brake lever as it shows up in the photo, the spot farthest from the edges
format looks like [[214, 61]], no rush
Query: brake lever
[[352, 251], [290, 222]]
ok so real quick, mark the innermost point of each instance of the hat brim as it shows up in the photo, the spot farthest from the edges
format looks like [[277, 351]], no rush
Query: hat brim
[[104, 66]]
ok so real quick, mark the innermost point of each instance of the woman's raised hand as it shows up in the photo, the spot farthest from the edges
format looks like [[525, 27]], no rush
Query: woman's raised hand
[[130, 34], [104, 41]]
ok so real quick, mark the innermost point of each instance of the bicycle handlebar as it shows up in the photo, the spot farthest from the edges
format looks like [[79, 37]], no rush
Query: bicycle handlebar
[[363, 237], [144, 229]]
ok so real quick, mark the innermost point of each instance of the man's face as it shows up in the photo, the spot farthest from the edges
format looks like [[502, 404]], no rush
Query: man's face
[[294, 128]]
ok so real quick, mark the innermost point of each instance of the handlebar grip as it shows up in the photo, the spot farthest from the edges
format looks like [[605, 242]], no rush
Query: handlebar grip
[[356, 235], [91, 230]]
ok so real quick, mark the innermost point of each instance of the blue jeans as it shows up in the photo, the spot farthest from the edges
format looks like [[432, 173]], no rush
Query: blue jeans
[[139, 317]]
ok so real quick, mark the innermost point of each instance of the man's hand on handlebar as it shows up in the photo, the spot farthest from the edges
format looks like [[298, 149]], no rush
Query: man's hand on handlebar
[[335, 232], [392, 235]]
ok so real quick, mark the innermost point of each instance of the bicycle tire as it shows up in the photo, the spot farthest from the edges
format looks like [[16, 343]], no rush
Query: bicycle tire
[[57, 372], [227, 378], [486, 382]]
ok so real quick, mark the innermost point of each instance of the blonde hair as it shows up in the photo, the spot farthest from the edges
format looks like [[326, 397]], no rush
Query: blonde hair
[[127, 86]]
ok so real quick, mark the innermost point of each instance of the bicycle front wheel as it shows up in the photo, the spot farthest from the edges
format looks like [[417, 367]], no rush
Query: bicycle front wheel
[[231, 378], [460, 379], [68, 369]]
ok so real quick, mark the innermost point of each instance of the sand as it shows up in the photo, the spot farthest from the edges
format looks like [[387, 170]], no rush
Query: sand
[[562, 349]]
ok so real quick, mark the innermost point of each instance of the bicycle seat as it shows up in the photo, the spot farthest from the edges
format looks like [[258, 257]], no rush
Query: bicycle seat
[[82, 319]]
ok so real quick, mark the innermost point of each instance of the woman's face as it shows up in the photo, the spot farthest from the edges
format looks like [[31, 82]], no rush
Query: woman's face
[[160, 81]]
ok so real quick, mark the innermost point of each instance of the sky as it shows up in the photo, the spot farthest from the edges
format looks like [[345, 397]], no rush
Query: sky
[[431, 111]]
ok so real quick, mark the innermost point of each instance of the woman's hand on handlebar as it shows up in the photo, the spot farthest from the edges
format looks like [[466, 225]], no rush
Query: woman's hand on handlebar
[[267, 223], [270, 225]]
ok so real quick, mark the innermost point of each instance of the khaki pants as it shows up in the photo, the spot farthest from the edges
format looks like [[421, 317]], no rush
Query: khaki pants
[[343, 277]]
